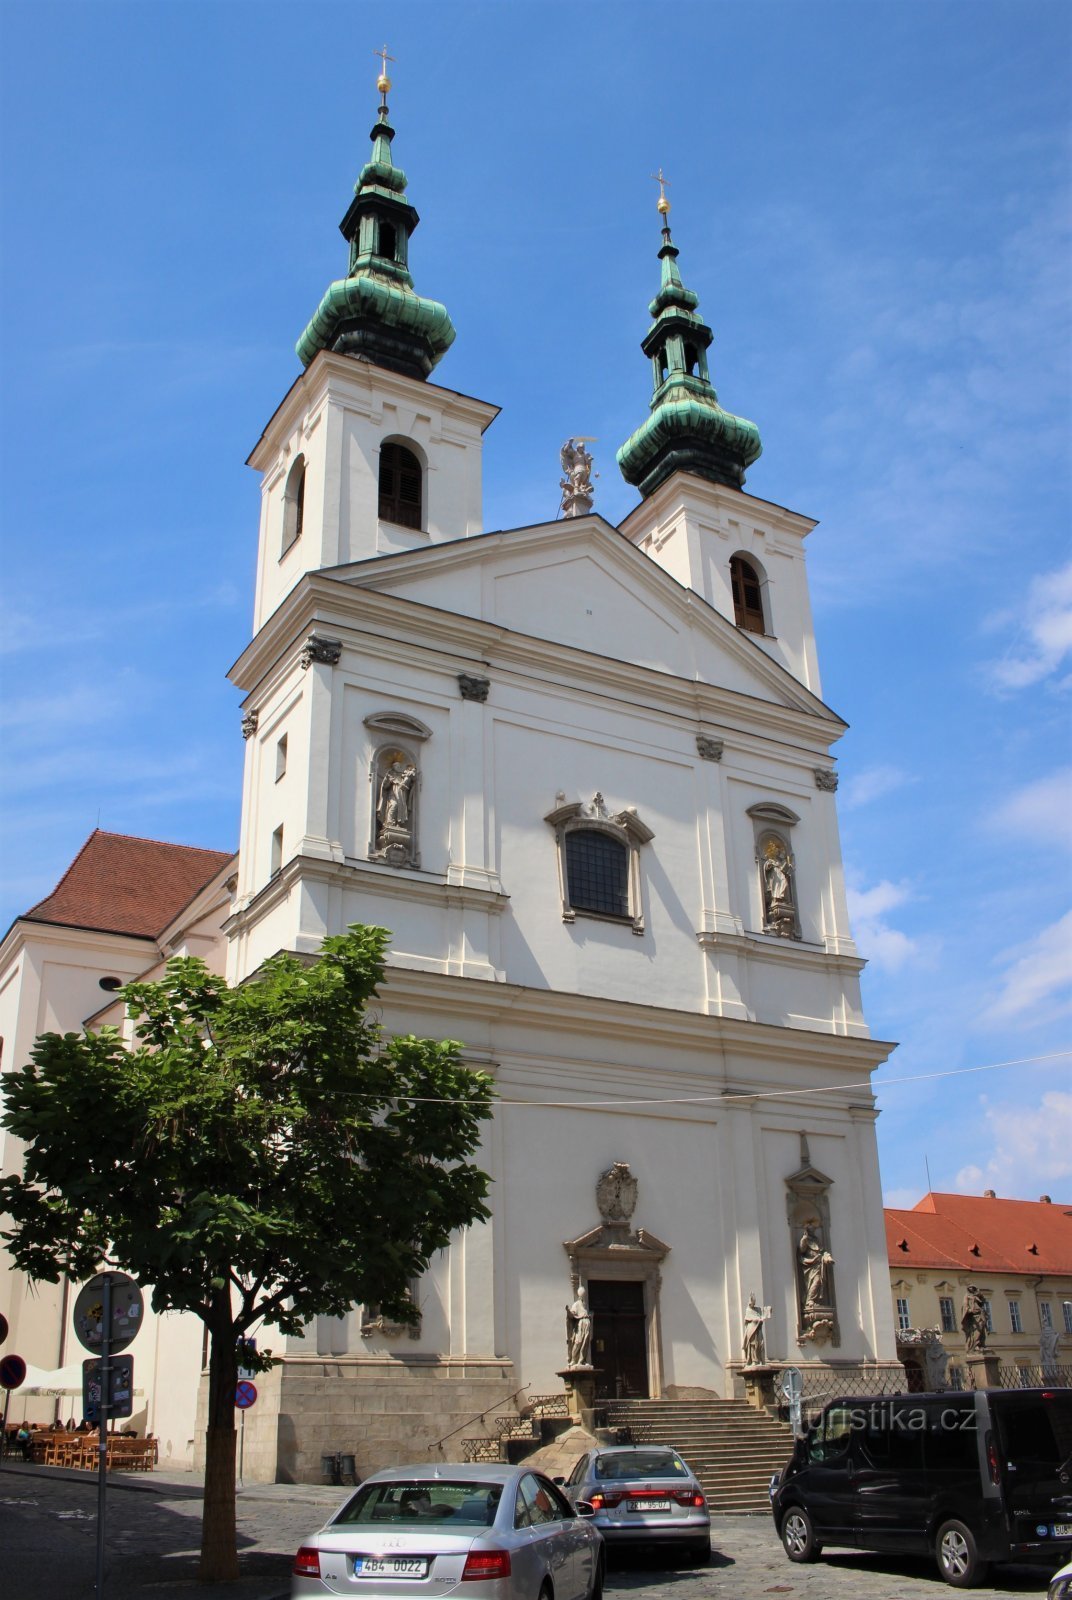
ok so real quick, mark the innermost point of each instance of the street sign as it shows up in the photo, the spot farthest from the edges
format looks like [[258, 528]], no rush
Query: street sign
[[246, 1349], [3, 1327], [12, 1372], [245, 1394], [120, 1388], [127, 1307], [792, 1389]]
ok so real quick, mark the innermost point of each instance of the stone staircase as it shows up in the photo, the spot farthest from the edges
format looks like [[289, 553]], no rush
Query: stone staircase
[[517, 1433], [732, 1448]]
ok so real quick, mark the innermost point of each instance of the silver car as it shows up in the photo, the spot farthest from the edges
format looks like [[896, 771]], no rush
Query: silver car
[[417, 1533], [643, 1495]]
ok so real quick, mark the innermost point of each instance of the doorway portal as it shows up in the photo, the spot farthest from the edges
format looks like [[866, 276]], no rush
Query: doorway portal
[[619, 1339]]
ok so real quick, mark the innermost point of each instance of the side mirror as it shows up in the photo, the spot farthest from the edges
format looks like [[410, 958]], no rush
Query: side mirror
[[584, 1508], [559, 1481]]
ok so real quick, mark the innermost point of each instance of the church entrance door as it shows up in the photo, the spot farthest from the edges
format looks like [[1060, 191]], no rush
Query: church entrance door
[[619, 1339]]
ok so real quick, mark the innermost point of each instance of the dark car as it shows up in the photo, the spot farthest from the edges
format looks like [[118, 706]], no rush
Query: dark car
[[643, 1495], [971, 1478]]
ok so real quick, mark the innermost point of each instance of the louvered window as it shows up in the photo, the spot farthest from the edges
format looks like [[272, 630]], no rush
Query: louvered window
[[597, 868], [400, 486], [747, 595]]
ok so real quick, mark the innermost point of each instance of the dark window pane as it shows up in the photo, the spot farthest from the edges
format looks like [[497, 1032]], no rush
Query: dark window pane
[[400, 486], [597, 873], [747, 595]]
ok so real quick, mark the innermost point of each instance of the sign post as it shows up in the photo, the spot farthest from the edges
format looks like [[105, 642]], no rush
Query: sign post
[[12, 1376], [107, 1316], [792, 1389], [245, 1395]]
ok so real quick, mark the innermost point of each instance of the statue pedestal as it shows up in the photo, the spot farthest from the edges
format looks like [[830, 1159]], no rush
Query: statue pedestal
[[982, 1368], [580, 1385], [759, 1386]]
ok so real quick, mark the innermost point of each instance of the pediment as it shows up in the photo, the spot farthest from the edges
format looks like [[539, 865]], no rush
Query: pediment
[[580, 583]]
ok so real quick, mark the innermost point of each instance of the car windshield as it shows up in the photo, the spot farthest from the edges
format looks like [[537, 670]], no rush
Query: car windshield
[[413, 1502], [640, 1464]]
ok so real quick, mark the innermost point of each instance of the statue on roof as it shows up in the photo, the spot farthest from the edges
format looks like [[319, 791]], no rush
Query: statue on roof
[[576, 483]]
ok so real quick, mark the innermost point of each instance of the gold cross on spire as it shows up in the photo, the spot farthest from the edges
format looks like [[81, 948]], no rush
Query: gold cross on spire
[[383, 82], [664, 204]]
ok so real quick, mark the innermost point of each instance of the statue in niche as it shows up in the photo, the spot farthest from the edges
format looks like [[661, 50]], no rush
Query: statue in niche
[[579, 1332], [576, 483], [776, 870], [395, 840], [754, 1344], [815, 1265], [973, 1318]]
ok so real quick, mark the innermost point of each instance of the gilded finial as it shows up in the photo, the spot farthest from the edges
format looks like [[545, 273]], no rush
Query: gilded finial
[[383, 82], [663, 202]]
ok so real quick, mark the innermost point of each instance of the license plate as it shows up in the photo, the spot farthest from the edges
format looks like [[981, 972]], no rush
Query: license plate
[[649, 1505], [390, 1566], [1062, 1530]]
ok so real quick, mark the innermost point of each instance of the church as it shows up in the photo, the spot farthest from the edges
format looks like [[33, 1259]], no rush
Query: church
[[583, 773]]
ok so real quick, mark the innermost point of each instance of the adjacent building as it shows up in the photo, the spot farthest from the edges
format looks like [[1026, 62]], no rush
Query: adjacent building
[[1016, 1253]]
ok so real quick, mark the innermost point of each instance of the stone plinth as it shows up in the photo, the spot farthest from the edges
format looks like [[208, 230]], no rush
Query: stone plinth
[[982, 1368], [759, 1386], [580, 1385]]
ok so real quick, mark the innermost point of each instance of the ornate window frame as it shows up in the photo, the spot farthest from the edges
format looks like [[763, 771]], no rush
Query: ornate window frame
[[623, 826], [773, 826]]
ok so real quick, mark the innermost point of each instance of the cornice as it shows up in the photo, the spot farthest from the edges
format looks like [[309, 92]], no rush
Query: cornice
[[359, 381], [555, 1009], [685, 485], [461, 642], [768, 947], [25, 929]]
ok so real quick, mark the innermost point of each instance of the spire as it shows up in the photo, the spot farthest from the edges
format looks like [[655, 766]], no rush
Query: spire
[[688, 431], [373, 313]]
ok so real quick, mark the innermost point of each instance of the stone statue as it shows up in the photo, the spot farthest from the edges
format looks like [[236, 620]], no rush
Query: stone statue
[[579, 1332], [392, 805], [935, 1359], [576, 484], [815, 1264], [973, 1318], [754, 1318], [779, 914], [1048, 1341]]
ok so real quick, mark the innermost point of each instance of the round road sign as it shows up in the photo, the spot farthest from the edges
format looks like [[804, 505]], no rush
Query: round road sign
[[127, 1307], [245, 1394], [12, 1372], [3, 1327]]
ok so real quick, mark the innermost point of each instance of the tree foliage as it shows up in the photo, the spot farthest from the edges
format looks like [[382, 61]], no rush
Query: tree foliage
[[263, 1153]]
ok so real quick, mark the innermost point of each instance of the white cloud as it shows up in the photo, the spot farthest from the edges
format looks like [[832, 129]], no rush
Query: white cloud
[[1038, 977], [1032, 1148], [871, 784], [882, 944], [1043, 634], [1040, 812]]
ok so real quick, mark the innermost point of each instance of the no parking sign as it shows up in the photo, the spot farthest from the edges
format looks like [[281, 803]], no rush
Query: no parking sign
[[245, 1394]]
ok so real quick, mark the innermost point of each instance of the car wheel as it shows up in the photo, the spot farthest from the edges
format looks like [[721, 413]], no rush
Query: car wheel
[[596, 1591], [798, 1536], [958, 1556]]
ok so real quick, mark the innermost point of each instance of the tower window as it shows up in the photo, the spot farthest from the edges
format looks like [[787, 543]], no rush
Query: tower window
[[747, 595], [388, 240], [276, 860], [691, 359], [597, 870], [293, 505], [400, 486], [280, 758]]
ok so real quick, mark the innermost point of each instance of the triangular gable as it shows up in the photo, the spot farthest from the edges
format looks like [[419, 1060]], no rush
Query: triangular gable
[[581, 583]]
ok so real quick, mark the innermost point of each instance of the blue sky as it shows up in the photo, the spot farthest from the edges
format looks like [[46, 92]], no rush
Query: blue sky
[[871, 200]]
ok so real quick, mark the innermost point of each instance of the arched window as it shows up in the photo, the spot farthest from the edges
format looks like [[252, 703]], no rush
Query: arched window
[[388, 238], [692, 360], [599, 861], [401, 486], [747, 595], [293, 505], [597, 873]]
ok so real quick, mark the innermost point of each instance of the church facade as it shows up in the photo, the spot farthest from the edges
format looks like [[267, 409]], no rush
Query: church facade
[[583, 774]]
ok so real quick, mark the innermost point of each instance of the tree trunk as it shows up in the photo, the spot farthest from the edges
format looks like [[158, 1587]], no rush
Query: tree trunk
[[219, 1548]]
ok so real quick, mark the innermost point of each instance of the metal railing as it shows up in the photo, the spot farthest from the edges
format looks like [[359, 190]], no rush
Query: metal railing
[[1036, 1377]]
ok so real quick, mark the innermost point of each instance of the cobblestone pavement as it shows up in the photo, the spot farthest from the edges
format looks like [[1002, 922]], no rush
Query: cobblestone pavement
[[48, 1549]]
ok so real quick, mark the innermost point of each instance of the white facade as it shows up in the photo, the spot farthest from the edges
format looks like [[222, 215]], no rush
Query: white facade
[[567, 675], [50, 982]]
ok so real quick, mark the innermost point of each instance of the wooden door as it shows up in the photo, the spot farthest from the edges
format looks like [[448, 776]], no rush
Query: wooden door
[[619, 1339]]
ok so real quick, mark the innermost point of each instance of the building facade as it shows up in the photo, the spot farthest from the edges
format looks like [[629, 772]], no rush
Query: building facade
[[121, 910], [1017, 1254], [583, 774]]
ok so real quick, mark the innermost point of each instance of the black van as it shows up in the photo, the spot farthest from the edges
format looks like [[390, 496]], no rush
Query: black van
[[970, 1477]]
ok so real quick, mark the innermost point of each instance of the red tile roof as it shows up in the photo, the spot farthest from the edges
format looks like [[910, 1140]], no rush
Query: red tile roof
[[117, 884], [975, 1233]]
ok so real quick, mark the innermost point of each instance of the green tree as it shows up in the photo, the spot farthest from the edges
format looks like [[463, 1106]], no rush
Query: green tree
[[263, 1153]]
